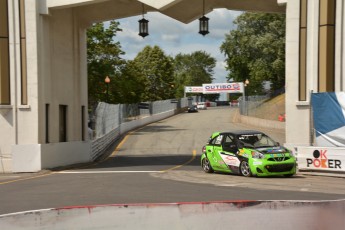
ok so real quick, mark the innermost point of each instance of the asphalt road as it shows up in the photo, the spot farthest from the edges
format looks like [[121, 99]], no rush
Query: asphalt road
[[160, 163]]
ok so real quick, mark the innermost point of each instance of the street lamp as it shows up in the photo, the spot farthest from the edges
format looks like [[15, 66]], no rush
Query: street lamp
[[203, 22], [246, 83], [143, 26], [107, 81]]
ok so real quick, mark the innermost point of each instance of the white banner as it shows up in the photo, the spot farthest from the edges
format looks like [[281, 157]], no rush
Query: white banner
[[321, 158], [234, 87], [193, 89]]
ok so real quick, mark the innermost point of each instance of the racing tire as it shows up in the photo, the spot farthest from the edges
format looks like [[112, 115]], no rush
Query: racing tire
[[245, 169], [206, 166]]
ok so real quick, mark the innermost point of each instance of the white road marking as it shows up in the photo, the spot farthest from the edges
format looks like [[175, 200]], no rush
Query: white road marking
[[2, 177], [231, 185], [90, 172]]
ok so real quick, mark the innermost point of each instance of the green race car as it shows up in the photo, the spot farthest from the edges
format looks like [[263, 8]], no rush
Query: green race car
[[248, 153]]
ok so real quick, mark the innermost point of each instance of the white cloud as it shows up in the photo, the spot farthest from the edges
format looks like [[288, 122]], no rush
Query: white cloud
[[175, 37], [171, 38]]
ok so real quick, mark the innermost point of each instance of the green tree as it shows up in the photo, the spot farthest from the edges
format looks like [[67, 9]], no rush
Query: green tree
[[256, 50], [158, 71], [129, 86], [193, 69], [103, 59]]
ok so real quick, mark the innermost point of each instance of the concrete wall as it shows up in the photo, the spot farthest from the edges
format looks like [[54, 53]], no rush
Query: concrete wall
[[270, 215], [258, 122], [56, 60], [339, 43], [297, 113], [63, 80], [19, 123], [298, 121], [35, 157]]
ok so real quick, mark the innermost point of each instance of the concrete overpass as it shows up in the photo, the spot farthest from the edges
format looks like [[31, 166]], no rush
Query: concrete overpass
[[43, 89]]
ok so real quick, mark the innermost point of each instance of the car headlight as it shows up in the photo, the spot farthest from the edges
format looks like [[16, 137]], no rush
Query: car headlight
[[203, 149], [292, 155], [258, 155], [289, 153]]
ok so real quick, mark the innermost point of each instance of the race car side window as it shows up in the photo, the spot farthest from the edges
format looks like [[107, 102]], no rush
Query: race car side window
[[229, 143], [217, 140], [212, 141], [229, 139]]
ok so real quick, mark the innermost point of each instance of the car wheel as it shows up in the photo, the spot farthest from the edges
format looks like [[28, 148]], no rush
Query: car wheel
[[206, 166], [245, 169]]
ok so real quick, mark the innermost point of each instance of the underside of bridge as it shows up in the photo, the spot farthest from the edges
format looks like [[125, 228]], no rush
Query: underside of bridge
[[184, 11]]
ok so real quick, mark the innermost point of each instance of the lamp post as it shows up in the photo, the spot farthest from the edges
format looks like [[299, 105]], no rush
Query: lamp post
[[246, 83], [107, 81]]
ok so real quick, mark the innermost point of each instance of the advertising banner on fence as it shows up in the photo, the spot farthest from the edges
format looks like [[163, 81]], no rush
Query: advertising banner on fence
[[321, 158], [329, 118], [193, 89], [235, 87]]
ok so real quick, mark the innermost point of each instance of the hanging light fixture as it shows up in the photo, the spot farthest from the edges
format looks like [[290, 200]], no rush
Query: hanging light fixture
[[143, 26], [203, 22]]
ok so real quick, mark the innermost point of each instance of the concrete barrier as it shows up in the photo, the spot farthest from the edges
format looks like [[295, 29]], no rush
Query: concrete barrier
[[258, 122], [301, 215], [325, 159]]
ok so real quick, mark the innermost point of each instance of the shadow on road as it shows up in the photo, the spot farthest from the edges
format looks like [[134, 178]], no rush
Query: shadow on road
[[145, 160], [156, 128]]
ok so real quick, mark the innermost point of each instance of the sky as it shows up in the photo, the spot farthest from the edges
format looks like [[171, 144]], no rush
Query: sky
[[175, 37]]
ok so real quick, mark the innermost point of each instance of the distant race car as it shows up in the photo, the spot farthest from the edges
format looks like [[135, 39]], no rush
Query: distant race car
[[247, 153], [201, 105], [192, 109], [234, 103]]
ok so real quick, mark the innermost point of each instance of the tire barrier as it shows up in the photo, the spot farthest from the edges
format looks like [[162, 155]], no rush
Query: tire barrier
[[302, 215]]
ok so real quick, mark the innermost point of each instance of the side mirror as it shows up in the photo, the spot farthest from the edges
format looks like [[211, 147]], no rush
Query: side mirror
[[277, 144]]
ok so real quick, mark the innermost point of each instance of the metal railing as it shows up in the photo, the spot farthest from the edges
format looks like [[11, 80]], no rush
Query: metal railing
[[107, 120]]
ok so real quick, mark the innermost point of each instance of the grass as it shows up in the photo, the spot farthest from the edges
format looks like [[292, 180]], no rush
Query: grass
[[271, 109]]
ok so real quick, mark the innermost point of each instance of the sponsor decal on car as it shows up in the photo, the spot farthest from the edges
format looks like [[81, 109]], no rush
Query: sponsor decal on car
[[255, 162], [230, 160], [275, 150], [242, 153], [277, 155]]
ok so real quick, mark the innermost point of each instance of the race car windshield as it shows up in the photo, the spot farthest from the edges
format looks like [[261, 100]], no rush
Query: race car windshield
[[257, 140]]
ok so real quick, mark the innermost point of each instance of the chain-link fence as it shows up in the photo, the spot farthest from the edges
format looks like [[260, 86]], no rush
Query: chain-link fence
[[110, 121]]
